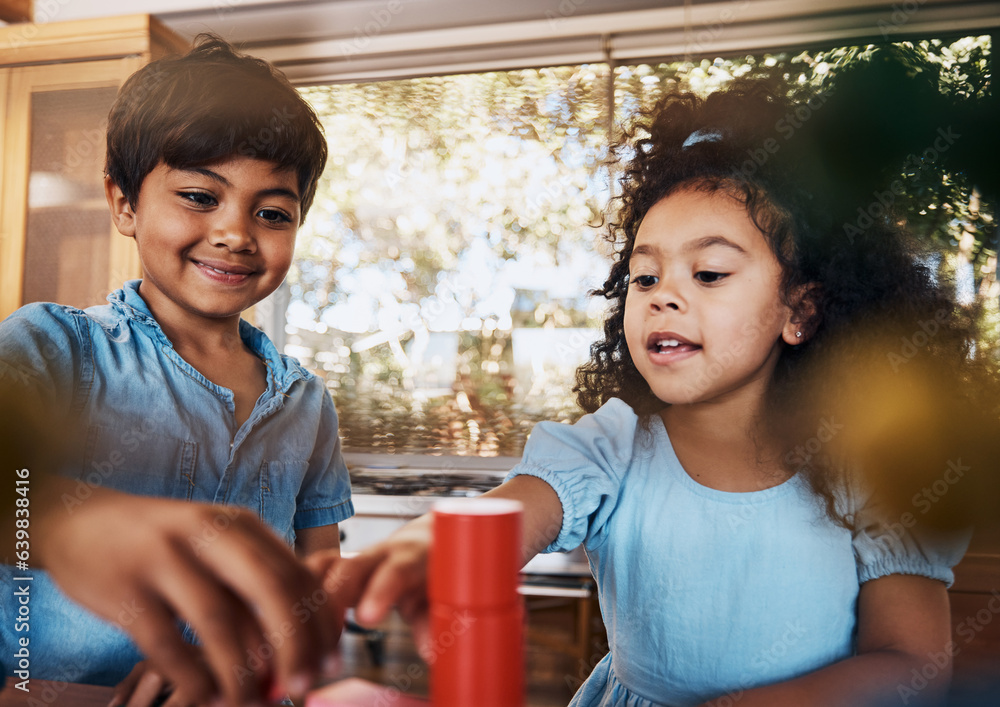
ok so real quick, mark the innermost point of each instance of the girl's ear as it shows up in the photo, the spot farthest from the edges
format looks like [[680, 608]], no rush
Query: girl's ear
[[805, 315], [121, 211]]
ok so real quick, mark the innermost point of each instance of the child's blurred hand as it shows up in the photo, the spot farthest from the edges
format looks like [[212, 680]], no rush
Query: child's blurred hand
[[142, 687], [146, 563], [390, 573]]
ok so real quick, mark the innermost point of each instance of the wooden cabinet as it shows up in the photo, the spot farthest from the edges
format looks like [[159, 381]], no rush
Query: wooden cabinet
[[57, 83], [975, 621]]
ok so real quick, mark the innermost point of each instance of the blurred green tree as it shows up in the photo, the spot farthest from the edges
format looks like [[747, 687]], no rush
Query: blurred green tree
[[471, 205]]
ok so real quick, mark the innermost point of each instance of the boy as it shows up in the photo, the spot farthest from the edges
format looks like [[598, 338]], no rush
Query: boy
[[212, 163]]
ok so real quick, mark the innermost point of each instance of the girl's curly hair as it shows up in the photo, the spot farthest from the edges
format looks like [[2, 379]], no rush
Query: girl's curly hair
[[859, 275]]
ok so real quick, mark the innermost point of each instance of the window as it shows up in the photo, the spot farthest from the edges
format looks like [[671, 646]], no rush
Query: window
[[441, 280]]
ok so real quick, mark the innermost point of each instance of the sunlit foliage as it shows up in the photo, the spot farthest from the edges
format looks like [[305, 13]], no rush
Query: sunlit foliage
[[458, 212]]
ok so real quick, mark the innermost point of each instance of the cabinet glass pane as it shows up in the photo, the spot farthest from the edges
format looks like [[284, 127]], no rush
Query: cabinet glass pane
[[66, 257]]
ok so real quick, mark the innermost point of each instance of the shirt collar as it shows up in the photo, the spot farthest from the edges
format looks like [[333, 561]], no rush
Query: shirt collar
[[285, 370], [129, 302]]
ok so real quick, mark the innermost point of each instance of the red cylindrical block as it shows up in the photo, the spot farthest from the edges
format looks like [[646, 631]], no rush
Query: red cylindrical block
[[477, 615]]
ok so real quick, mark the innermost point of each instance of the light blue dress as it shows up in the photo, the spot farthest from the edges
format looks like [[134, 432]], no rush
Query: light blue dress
[[706, 593], [155, 426]]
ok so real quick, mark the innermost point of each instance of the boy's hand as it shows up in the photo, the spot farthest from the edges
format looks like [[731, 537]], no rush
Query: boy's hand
[[390, 573], [142, 687], [146, 563]]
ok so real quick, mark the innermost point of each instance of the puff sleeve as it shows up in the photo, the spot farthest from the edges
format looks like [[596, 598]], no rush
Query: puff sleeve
[[584, 464], [885, 545]]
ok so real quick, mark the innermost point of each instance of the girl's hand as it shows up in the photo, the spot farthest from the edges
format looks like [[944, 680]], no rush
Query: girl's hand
[[394, 572], [390, 573], [146, 562]]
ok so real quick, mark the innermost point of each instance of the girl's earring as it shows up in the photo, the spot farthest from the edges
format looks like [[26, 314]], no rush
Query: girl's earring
[[798, 335]]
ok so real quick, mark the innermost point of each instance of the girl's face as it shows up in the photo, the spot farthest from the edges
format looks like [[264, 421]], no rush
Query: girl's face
[[704, 318]]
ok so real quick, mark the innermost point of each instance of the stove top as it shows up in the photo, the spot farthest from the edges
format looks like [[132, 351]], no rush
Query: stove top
[[392, 482]]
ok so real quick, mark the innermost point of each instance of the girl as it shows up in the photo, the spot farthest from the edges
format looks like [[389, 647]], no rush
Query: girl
[[736, 561]]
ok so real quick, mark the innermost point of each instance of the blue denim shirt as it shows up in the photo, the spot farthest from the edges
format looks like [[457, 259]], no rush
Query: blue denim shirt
[[153, 425]]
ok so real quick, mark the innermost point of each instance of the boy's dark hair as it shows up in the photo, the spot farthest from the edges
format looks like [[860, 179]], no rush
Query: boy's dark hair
[[207, 105], [774, 155]]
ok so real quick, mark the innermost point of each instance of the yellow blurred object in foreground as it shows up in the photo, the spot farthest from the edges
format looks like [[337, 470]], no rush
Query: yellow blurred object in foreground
[[912, 423]]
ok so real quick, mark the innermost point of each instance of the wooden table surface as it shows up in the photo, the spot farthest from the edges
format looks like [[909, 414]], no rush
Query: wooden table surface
[[45, 692]]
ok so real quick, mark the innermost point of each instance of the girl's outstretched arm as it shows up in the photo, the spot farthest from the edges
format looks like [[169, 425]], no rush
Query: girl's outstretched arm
[[394, 571], [904, 635]]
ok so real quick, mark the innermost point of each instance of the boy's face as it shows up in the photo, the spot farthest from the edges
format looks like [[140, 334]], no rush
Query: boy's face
[[213, 240]]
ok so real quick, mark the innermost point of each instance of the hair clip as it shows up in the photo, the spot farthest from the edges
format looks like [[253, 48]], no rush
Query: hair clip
[[702, 135]]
